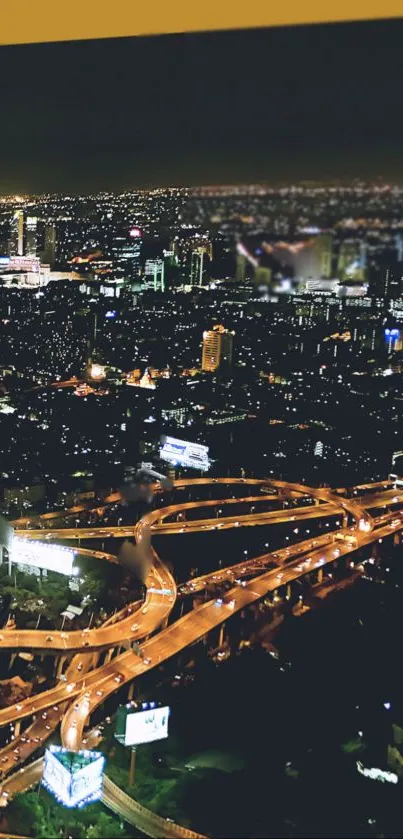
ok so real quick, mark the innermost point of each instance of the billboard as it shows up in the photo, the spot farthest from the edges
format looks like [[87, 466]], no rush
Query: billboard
[[145, 725], [74, 778], [6, 534], [183, 453], [39, 555]]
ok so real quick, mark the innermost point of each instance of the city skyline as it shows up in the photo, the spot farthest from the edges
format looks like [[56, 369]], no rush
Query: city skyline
[[204, 108]]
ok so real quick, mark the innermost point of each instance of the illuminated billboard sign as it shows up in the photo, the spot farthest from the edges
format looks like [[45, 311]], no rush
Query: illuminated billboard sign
[[377, 774], [74, 778], [6, 534], [182, 453], [27, 552], [146, 724]]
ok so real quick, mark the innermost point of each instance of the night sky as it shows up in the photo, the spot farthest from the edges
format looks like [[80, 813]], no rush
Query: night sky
[[259, 105]]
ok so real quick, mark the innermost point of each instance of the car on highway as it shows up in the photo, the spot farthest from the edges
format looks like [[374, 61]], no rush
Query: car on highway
[[134, 627], [230, 603], [147, 661]]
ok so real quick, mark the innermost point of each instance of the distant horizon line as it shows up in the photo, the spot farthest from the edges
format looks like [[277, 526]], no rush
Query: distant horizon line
[[377, 181]]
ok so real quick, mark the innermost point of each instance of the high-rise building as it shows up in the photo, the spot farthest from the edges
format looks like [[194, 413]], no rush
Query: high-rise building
[[31, 236], [393, 340], [198, 265], [194, 254], [126, 253], [311, 260], [352, 261], [49, 252], [324, 249], [217, 349], [393, 282], [16, 247], [240, 268], [263, 276], [154, 275]]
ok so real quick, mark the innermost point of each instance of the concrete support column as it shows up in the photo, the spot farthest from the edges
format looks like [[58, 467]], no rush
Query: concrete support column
[[108, 657], [60, 665], [222, 635]]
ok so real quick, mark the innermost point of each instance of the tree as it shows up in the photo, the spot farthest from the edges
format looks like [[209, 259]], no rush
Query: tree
[[105, 828]]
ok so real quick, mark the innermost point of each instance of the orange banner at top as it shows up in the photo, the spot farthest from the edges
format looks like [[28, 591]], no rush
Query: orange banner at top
[[45, 20]]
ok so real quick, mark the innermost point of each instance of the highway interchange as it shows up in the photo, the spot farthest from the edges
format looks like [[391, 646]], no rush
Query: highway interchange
[[85, 686]]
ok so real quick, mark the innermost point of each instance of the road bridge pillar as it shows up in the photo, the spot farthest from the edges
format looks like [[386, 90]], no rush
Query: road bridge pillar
[[288, 590], [396, 539], [131, 692], [222, 635], [17, 728], [108, 657], [13, 656], [320, 575], [60, 664], [345, 520]]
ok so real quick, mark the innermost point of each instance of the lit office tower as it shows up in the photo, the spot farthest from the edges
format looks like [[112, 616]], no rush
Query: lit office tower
[[17, 234], [196, 266], [154, 275], [49, 253], [199, 262], [126, 252], [217, 349], [240, 269], [31, 236], [352, 261], [324, 249], [393, 283], [194, 255], [393, 340], [311, 260]]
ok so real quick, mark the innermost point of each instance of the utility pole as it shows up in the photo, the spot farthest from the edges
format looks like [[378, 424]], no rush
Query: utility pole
[[132, 766]]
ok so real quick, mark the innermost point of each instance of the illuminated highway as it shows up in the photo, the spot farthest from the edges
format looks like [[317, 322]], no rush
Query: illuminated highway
[[72, 701]]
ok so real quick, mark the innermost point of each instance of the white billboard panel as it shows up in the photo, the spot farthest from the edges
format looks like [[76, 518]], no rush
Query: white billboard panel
[[183, 453], [74, 778], [146, 726], [56, 778], [86, 783], [26, 552]]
